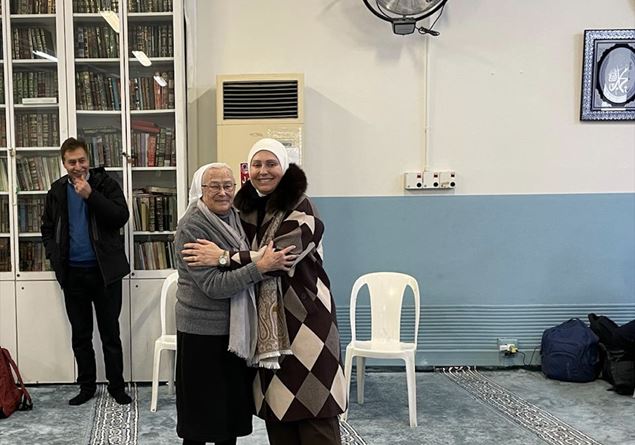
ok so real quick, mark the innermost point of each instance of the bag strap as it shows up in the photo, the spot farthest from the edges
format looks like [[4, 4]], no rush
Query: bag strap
[[26, 403]]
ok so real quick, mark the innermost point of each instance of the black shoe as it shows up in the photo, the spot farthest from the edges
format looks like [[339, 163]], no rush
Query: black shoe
[[81, 398], [121, 397]]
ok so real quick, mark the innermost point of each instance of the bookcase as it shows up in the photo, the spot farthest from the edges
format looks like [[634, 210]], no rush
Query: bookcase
[[34, 93], [6, 241], [112, 73], [135, 128]]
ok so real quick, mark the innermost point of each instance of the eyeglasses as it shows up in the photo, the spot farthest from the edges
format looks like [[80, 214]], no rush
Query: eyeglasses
[[227, 187]]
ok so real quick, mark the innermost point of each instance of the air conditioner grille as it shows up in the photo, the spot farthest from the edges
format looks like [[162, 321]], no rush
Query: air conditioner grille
[[275, 99]]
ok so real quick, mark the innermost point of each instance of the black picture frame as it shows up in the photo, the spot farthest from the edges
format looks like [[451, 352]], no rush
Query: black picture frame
[[608, 75]]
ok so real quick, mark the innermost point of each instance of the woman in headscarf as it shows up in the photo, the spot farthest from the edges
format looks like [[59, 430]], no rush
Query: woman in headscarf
[[300, 388], [216, 317]]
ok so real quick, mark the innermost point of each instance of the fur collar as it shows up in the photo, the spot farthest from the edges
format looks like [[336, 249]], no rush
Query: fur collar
[[291, 187]]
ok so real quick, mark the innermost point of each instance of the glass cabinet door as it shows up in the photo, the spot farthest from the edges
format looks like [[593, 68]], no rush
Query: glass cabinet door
[[152, 139], [36, 75], [97, 72], [6, 262], [5, 211]]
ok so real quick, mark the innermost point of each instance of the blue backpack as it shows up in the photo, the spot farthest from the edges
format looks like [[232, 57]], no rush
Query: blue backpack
[[569, 352]]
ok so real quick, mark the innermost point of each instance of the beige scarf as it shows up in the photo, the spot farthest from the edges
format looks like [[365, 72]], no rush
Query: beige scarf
[[273, 337]]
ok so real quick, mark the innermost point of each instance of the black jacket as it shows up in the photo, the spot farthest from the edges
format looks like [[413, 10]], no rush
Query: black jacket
[[107, 214]]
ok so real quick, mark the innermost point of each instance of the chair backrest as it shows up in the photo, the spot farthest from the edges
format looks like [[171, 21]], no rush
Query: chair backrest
[[386, 290], [168, 300]]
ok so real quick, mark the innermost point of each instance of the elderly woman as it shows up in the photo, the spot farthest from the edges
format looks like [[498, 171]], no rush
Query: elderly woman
[[216, 317], [299, 389]]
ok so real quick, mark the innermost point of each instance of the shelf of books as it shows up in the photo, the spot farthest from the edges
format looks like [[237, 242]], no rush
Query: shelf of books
[[95, 91], [157, 172], [124, 101], [95, 60], [110, 72], [6, 241], [36, 82]]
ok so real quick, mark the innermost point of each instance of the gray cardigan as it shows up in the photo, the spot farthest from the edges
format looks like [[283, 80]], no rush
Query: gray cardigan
[[203, 293]]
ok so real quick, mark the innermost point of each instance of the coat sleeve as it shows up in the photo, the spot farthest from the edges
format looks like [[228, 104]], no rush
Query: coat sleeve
[[109, 204], [214, 282], [303, 229], [240, 258]]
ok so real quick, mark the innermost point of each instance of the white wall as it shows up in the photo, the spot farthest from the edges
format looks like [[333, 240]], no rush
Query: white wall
[[504, 99]]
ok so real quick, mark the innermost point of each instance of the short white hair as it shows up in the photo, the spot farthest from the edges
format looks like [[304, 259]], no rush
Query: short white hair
[[217, 166], [196, 189]]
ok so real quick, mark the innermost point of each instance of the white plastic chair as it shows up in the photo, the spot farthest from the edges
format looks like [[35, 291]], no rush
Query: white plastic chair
[[386, 291], [167, 340]]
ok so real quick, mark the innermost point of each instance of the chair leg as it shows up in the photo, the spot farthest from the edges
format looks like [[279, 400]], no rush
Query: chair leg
[[361, 375], [348, 368], [412, 389], [172, 371], [155, 377]]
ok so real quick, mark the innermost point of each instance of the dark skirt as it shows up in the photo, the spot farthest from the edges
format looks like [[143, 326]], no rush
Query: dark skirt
[[214, 399]]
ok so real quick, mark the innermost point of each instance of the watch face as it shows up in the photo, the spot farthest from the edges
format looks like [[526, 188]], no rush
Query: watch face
[[222, 260]]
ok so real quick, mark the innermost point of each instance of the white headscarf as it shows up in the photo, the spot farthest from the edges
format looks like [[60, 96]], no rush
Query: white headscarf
[[196, 189], [274, 147]]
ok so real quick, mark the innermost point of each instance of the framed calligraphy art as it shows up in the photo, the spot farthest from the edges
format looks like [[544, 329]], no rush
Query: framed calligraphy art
[[608, 75]]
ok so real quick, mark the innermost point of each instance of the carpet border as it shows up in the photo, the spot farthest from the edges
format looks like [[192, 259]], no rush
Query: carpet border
[[545, 425]]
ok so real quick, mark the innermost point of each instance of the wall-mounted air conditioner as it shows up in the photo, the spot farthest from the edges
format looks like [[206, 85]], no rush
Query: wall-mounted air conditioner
[[254, 106]]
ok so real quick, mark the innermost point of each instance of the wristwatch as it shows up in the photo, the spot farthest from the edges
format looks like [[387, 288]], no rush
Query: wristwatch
[[223, 260]]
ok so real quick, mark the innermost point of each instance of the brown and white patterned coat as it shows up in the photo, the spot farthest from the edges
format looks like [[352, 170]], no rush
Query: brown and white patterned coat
[[310, 383]]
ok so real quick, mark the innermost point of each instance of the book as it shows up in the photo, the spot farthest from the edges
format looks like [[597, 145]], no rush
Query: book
[[144, 129], [152, 150], [162, 190], [39, 100]]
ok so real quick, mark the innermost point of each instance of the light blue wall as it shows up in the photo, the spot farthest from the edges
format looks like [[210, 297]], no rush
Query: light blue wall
[[526, 242], [523, 262]]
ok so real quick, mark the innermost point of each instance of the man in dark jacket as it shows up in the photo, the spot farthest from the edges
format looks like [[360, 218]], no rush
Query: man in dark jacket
[[83, 215]]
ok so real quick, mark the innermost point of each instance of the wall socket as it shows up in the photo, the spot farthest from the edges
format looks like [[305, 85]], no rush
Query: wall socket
[[430, 180], [505, 344]]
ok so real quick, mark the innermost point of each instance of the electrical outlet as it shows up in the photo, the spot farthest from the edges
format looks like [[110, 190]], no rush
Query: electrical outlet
[[508, 345]]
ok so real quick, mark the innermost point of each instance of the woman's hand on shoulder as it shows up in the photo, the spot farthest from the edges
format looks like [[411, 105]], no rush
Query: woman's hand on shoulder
[[201, 253], [272, 260]]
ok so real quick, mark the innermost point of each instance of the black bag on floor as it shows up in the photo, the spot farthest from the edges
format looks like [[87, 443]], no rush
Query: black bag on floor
[[569, 352], [618, 368], [617, 352], [613, 335], [605, 329], [626, 336]]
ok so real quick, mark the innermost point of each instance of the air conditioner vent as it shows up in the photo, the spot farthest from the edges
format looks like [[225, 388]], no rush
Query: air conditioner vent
[[275, 99]]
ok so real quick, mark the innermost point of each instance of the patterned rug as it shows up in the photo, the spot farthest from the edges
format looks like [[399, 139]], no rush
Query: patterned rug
[[549, 428], [349, 435], [116, 424]]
